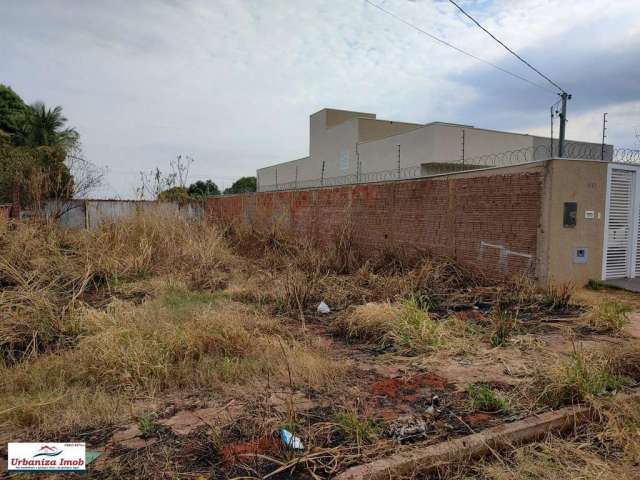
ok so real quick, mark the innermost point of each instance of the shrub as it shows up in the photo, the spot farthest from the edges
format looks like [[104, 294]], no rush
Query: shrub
[[581, 377], [610, 316], [503, 325], [404, 327], [483, 397], [353, 428]]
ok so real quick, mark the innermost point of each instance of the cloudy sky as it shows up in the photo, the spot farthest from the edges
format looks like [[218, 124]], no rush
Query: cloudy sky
[[232, 82]]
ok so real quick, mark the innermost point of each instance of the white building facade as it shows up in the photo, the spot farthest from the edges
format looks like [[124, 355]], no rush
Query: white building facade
[[352, 147]]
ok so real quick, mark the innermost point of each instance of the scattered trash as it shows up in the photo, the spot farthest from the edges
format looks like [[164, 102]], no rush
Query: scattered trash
[[323, 308], [91, 455], [435, 400], [408, 428], [431, 410], [290, 440]]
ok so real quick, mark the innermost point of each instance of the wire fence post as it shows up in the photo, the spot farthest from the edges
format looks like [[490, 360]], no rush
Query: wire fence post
[[506, 158], [551, 151], [604, 133], [463, 147], [357, 164]]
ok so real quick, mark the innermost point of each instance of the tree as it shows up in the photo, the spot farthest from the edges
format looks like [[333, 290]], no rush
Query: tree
[[174, 194], [242, 185], [154, 182], [201, 189], [40, 126], [40, 158], [11, 108]]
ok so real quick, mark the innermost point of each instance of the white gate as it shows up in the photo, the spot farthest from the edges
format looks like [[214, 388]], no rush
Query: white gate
[[621, 216]]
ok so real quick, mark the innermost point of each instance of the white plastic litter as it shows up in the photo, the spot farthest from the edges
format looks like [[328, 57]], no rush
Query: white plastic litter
[[323, 308], [290, 440]]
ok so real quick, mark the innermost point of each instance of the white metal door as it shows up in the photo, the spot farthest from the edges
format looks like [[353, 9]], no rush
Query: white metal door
[[620, 242]]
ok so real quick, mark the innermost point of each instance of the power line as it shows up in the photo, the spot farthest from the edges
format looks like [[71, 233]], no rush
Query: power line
[[444, 42], [507, 48]]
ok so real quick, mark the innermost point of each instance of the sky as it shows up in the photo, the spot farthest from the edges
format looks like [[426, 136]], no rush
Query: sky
[[232, 83]]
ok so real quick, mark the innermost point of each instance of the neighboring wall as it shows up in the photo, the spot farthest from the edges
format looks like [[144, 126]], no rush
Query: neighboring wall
[[92, 213], [485, 219], [583, 182]]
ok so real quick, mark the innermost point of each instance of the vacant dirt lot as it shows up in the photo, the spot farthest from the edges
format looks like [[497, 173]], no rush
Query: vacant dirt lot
[[180, 350]]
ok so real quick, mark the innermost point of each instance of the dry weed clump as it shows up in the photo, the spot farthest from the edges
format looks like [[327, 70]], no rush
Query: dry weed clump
[[370, 323], [47, 272], [552, 459], [130, 350], [504, 324], [36, 317], [155, 244], [586, 375], [619, 428], [609, 316], [403, 327]]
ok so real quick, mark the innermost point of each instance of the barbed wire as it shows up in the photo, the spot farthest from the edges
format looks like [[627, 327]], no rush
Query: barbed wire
[[574, 150]]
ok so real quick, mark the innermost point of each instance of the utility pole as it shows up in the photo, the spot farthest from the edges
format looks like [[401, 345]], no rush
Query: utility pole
[[604, 133], [564, 96]]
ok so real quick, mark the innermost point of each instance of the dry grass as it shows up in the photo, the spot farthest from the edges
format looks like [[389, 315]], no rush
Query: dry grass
[[46, 273], [553, 459], [609, 316], [99, 324], [129, 350], [607, 449], [62, 354], [402, 327], [585, 375]]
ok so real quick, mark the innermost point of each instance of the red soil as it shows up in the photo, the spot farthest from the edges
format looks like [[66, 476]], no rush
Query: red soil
[[405, 388], [234, 451]]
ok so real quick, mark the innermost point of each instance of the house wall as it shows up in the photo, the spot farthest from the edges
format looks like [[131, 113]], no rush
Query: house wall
[[487, 220], [333, 135], [436, 143], [583, 182], [339, 138], [375, 129]]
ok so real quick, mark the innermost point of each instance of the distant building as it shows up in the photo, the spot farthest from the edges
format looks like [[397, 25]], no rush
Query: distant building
[[349, 147]]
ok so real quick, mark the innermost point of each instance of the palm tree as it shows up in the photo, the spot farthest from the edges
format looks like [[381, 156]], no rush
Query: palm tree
[[41, 126]]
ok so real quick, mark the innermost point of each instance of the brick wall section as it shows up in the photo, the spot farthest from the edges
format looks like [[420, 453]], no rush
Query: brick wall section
[[489, 222]]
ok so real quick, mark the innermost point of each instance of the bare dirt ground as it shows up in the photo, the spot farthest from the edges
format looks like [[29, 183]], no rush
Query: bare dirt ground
[[183, 356]]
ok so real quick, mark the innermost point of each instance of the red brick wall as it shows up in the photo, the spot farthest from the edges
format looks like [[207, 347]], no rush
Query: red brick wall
[[488, 222]]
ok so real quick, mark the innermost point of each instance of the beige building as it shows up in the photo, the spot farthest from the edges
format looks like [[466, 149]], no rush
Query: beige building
[[351, 147]]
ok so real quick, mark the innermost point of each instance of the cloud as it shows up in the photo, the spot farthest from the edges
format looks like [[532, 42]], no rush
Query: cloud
[[232, 82]]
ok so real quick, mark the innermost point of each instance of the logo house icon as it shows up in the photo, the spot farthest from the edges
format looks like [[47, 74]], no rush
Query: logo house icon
[[47, 451]]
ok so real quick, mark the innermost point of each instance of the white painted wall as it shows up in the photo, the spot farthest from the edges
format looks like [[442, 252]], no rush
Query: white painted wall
[[338, 138]]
